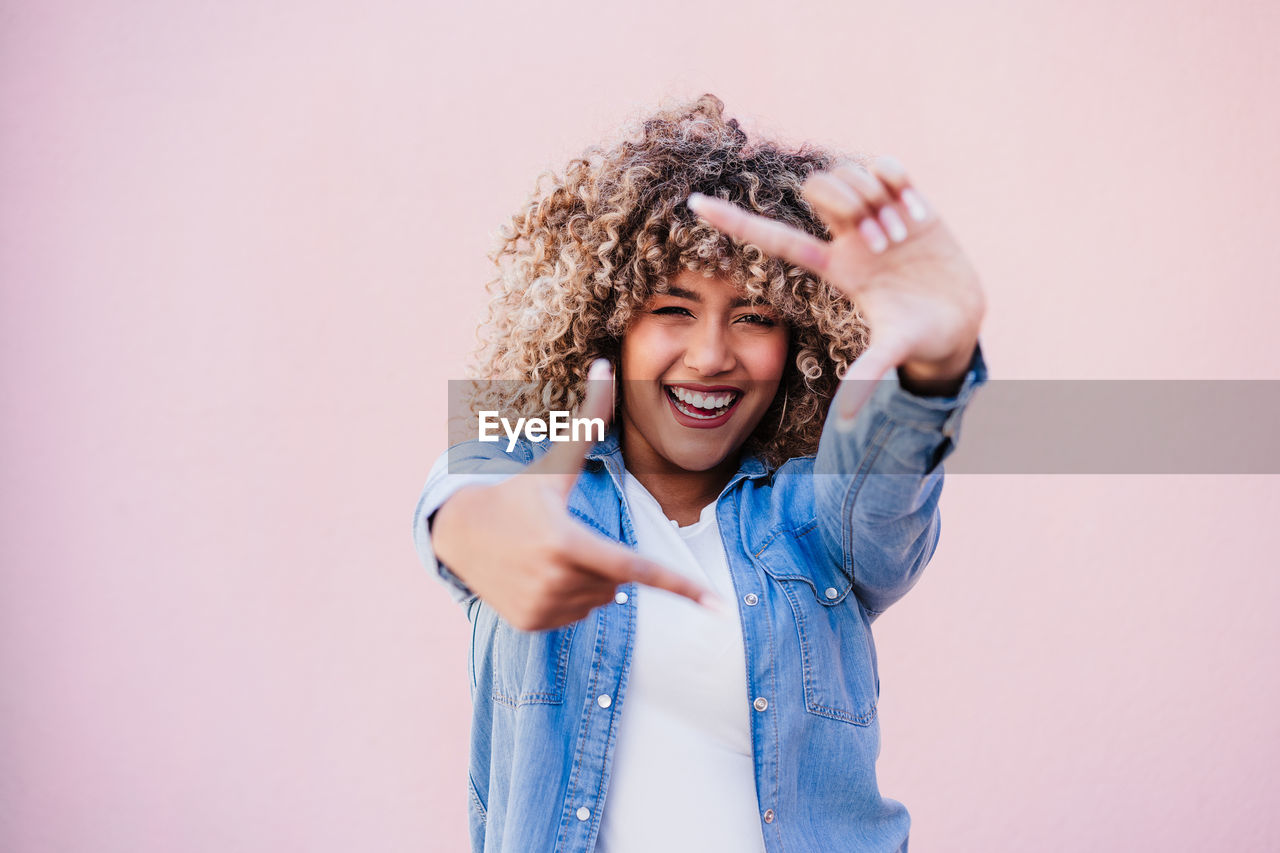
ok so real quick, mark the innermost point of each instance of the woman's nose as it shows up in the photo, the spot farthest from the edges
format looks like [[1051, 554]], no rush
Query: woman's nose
[[709, 351]]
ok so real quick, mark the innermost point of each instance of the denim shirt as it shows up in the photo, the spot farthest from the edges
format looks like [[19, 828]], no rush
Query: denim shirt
[[817, 549]]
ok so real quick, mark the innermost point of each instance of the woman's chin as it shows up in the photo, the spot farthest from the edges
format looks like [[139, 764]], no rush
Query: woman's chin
[[696, 460]]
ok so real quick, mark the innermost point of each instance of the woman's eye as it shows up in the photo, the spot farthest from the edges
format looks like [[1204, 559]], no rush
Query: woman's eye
[[672, 309], [758, 319]]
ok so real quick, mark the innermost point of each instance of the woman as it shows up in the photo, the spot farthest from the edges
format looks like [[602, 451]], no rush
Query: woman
[[720, 277]]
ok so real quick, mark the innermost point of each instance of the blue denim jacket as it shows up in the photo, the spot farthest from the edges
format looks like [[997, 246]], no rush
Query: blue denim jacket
[[817, 549]]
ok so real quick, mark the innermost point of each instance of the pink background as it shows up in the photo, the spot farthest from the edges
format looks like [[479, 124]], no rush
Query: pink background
[[242, 245]]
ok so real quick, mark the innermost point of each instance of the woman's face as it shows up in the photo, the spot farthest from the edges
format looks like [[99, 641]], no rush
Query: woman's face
[[700, 366]]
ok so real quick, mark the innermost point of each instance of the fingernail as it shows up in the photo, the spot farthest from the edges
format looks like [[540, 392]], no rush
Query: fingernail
[[871, 233], [600, 369], [693, 201], [891, 162], [893, 224], [915, 204], [844, 423]]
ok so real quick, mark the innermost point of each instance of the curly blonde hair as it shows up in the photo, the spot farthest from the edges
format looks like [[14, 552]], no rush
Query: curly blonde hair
[[589, 250]]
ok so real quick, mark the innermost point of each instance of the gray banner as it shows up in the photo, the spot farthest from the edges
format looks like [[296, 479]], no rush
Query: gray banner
[[1081, 427]]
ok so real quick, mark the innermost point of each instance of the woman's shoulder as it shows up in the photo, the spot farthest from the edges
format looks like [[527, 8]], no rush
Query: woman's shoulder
[[784, 499]]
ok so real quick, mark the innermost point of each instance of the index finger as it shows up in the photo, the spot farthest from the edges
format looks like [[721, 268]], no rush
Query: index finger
[[565, 458], [775, 238], [620, 564]]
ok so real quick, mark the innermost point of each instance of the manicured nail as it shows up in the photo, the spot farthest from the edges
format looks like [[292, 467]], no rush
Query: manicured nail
[[893, 224], [600, 369], [888, 161], [693, 201], [915, 204], [876, 241]]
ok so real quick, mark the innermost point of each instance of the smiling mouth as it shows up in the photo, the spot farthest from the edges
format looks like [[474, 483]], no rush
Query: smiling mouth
[[702, 405]]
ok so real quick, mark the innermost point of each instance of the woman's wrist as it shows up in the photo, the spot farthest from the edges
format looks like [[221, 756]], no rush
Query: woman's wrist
[[942, 378], [444, 527]]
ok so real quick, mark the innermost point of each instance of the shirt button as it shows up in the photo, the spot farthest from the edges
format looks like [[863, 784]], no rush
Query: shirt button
[[768, 815], [761, 703], [751, 599], [604, 700], [621, 598], [831, 592], [584, 813]]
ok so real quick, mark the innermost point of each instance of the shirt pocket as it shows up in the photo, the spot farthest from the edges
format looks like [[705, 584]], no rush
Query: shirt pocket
[[529, 667], [837, 658]]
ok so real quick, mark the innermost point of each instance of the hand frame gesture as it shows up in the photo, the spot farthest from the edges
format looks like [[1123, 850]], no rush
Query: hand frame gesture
[[894, 258]]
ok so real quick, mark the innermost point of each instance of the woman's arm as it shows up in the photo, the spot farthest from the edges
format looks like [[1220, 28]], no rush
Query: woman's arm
[[877, 481], [878, 472], [461, 466], [512, 542]]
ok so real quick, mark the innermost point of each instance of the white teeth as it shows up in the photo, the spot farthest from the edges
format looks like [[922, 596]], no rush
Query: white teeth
[[702, 400], [708, 405]]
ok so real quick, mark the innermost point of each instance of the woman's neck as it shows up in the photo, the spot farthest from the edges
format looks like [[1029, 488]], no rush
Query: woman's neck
[[681, 494]]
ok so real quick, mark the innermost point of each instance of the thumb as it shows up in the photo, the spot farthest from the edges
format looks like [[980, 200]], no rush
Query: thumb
[[564, 459], [859, 381]]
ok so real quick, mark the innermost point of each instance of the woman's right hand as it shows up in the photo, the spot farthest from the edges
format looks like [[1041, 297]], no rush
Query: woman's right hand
[[518, 548]]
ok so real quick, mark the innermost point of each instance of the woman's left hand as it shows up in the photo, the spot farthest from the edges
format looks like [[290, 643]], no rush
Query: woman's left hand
[[894, 258]]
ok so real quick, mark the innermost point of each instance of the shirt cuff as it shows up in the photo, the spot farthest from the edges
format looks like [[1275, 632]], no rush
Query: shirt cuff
[[932, 423], [932, 412]]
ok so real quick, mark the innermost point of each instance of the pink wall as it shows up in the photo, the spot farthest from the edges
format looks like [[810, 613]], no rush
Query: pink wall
[[241, 247]]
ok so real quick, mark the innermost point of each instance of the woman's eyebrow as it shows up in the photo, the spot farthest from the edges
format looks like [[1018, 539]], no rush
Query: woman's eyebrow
[[740, 302], [681, 293]]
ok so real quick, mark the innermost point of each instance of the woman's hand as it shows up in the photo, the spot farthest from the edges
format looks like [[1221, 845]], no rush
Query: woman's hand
[[516, 546], [897, 262]]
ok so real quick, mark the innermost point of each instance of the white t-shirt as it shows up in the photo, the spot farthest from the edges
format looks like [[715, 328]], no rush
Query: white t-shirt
[[683, 776]]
